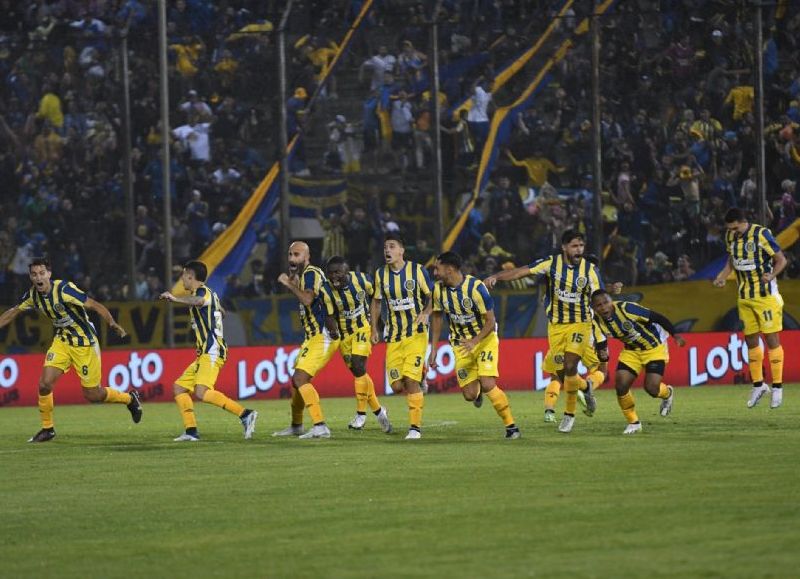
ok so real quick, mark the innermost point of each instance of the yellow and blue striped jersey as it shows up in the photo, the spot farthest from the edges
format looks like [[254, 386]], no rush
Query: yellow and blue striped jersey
[[350, 305], [405, 292], [630, 323], [63, 304], [751, 255], [465, 306], [207, 324], [569, 288], [313, 317]]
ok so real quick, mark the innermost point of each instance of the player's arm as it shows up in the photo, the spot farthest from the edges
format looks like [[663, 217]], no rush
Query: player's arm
[[192, 301], [330, 313], [768, 242], [664, 322], [516, 273], [602, 350], [436, 331], [375, 317], [485, 304], [96, 306], [8, 316], [722, 277], [779, 264], [305, 297]]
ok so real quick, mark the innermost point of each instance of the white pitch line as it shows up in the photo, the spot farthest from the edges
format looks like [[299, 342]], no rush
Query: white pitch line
[[440, 424]]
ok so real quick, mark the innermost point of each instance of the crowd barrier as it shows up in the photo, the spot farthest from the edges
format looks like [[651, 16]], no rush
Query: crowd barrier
[[264, 372]]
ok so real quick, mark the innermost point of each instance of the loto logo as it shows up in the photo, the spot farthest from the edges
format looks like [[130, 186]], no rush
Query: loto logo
[[266, 373], [9, 372], [719, 360], [137, 372]]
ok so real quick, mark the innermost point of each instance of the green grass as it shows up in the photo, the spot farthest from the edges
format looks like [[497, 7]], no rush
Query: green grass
[[711, 491]]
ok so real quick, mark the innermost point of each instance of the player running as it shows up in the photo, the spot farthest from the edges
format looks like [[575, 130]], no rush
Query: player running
[[75, 343], [200, 376], [347, 294], [758, 260], [644, 334]]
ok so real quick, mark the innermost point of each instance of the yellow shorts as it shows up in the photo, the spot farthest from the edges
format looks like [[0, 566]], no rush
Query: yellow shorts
[[202, 372], [554, 363], [406, 358], [482, 361], [85, 360], [315, 352], [636, 360], [761, 315], [574, 338], [356, 344]]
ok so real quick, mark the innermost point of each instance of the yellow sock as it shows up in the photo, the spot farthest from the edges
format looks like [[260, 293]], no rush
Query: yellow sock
[[298, 405], [115, 397], [756, 357], [362, 394], [499, 400], [776, 364], [186, 406], [628, 406], [46, 410], [597, 378], [551, 394], [372, 398], [416, 403], [663, 391], [571, 385], [311, 400], [219, 399]]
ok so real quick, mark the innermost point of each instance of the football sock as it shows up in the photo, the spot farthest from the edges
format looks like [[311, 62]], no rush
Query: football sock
[[776, 364], [499, 400], [46, 410], [756, 357], [572, 384], [311, 400], [628, 407], [114, 397], [362, 393], [663, 391], [186, 406], [597, 378], [551, 394], [222, 401], [298, 405], [416, 402], [372, 399]]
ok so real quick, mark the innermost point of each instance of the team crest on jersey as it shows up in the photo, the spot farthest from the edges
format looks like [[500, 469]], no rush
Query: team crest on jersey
[[581, 282], [466, 303], [627, 326], [410, 284], [462, 373], [750, 246], [59, 308], [361, 296], [50, 356], [559, 359], [394, 374]]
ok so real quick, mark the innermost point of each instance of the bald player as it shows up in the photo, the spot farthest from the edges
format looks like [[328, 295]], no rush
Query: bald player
[[320, 344]]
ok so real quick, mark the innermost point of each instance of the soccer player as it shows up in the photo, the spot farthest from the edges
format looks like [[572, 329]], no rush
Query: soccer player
[[74, 344], [347, 294], [405, 286], [320, 344], [473, 335], [758, 261], [644, 334], [571, 279], [200, 376]]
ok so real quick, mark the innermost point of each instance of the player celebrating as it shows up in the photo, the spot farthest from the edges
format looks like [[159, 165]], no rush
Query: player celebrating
[[642, 331], [473, 335], [405, 286], [201, 375], [571, 279], [758, 261], [320, 343], [346, 293], [74, 344]]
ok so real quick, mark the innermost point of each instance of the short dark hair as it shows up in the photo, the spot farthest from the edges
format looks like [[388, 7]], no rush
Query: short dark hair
[[40, 261], [395, 236], [598, 293], [571, 234], [450, 258], [335, 260], [734, 215], [198, 268]]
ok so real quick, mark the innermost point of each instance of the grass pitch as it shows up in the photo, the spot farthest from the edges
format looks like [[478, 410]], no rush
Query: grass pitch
[[711, 491]]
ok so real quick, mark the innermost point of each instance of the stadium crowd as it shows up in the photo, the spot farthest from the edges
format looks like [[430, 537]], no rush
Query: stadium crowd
[[677, 125]]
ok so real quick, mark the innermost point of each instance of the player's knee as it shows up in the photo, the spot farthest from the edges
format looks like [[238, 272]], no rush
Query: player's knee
[[358, 367], [45, 388], [652, 389], [94, 395], [621, 389]]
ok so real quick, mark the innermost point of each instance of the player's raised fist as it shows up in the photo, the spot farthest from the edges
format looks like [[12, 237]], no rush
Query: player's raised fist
[[490, 281], [120, 331], [284, 279], [167, 296], [719, 282]]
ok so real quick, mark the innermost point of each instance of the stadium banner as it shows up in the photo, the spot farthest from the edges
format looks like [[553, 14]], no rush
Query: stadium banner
[[264, 373]]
